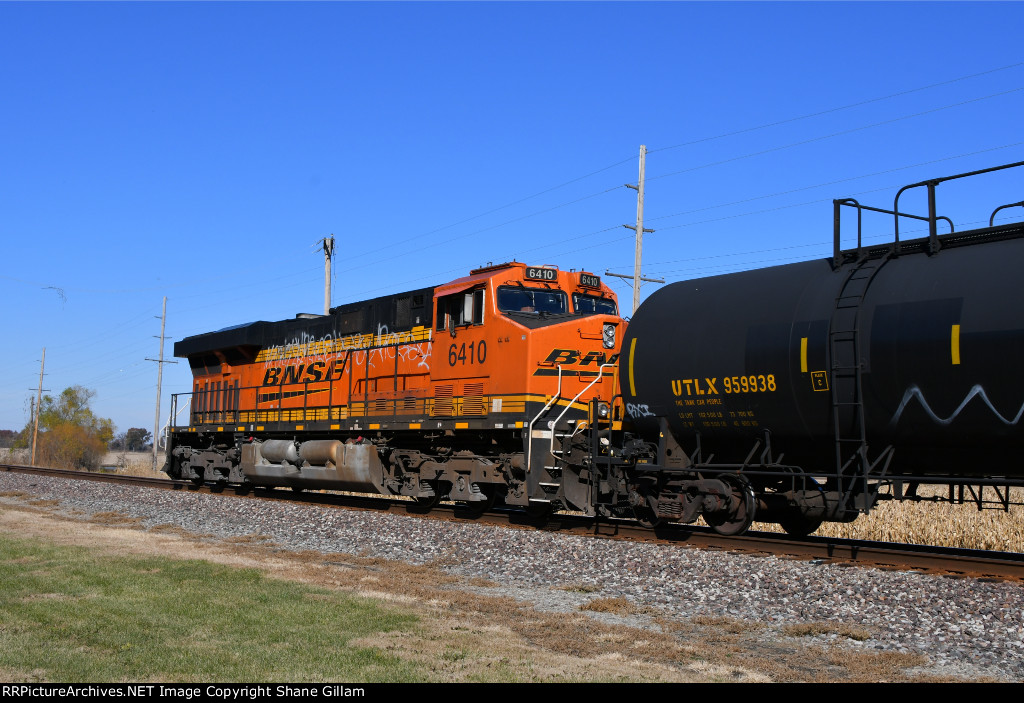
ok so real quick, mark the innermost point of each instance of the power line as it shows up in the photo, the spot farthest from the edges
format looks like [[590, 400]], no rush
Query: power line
[[835, 134], [751, 155], [835, 109], [841, 180]]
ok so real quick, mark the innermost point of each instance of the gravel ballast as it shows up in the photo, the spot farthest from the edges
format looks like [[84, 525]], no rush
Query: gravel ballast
[[966, 628]]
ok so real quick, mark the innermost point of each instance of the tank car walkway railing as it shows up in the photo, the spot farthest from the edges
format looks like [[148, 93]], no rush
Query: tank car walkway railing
[[840, 255], [930, 184]]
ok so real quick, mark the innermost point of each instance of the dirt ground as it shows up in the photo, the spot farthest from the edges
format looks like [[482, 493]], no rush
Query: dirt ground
[[467, 636]]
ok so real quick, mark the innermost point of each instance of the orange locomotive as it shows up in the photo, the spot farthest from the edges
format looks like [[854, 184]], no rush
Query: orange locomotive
[[471, 390]]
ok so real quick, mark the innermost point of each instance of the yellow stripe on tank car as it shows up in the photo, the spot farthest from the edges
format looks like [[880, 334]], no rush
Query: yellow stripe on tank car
[[954, 344], [803, 355], [632, 350]]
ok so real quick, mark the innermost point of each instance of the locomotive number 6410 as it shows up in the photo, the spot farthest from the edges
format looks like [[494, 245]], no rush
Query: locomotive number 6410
[[461, 353]]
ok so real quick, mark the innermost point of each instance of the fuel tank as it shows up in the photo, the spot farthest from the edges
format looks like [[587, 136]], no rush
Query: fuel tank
[[927, 346]]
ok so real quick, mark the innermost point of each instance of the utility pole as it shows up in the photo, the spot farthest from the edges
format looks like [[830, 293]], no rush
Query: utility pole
[[39, 399], [328, 244], [159, 380], [639, 228]]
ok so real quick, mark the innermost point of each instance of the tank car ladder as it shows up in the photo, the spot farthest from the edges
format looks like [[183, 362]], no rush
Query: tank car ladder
[[853, 466]]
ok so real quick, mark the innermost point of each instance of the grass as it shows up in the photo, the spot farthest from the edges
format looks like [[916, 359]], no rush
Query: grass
[[70, 615], [812, 629], [618, 606], [73, 607]]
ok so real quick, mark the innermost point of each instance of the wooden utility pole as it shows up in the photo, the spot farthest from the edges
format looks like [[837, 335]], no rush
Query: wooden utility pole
[[328, 243], [39, 399], [639, 228], [159, 381]]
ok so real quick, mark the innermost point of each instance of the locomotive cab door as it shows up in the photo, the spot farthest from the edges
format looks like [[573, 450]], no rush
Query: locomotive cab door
[[461, 368]]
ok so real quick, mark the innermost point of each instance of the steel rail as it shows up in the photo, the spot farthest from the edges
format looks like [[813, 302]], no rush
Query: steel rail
[[946, 561]]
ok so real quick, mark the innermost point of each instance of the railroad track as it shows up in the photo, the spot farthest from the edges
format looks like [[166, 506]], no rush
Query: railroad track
[[956, 563]]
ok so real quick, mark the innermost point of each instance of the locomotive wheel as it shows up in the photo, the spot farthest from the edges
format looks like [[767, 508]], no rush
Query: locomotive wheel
[[646, 517], [738, 519], [479, 507], [430, 502]]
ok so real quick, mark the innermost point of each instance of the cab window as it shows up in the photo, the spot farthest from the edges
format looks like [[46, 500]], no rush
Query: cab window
[[461, 309], [592, 305], [537, 300]]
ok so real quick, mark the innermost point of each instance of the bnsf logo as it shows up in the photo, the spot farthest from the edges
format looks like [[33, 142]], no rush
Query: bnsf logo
[[568, 357], [304, 373], [560, 358]]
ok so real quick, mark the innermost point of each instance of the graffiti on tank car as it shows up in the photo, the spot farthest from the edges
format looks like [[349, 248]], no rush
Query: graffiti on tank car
[[638, 410], [976, 391]]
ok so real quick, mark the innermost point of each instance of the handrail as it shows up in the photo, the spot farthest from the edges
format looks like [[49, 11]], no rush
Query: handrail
[[852, 202], [529, 439], [600, 374], [931, 184], [992, 219], [932, 218]]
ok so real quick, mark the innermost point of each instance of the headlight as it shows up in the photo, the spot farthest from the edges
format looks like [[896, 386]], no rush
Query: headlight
[[603, 411], [608, 336]]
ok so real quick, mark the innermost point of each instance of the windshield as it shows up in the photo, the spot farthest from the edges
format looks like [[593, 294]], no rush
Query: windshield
[[591, 305], [532, 300]]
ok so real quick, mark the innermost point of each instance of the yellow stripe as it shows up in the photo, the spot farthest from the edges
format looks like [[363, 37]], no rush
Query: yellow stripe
[[632, 350], [462, 425], [414, 425], [803, 355], [954, 344], [374, 425]]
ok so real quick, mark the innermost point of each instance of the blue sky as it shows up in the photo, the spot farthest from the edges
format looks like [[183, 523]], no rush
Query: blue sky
[[200, 150]]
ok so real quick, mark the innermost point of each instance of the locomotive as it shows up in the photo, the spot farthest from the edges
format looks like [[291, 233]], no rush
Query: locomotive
[[465, 391], [794, 394]]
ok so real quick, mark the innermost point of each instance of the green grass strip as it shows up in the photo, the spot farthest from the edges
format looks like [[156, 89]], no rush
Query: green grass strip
[[73, 615]]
